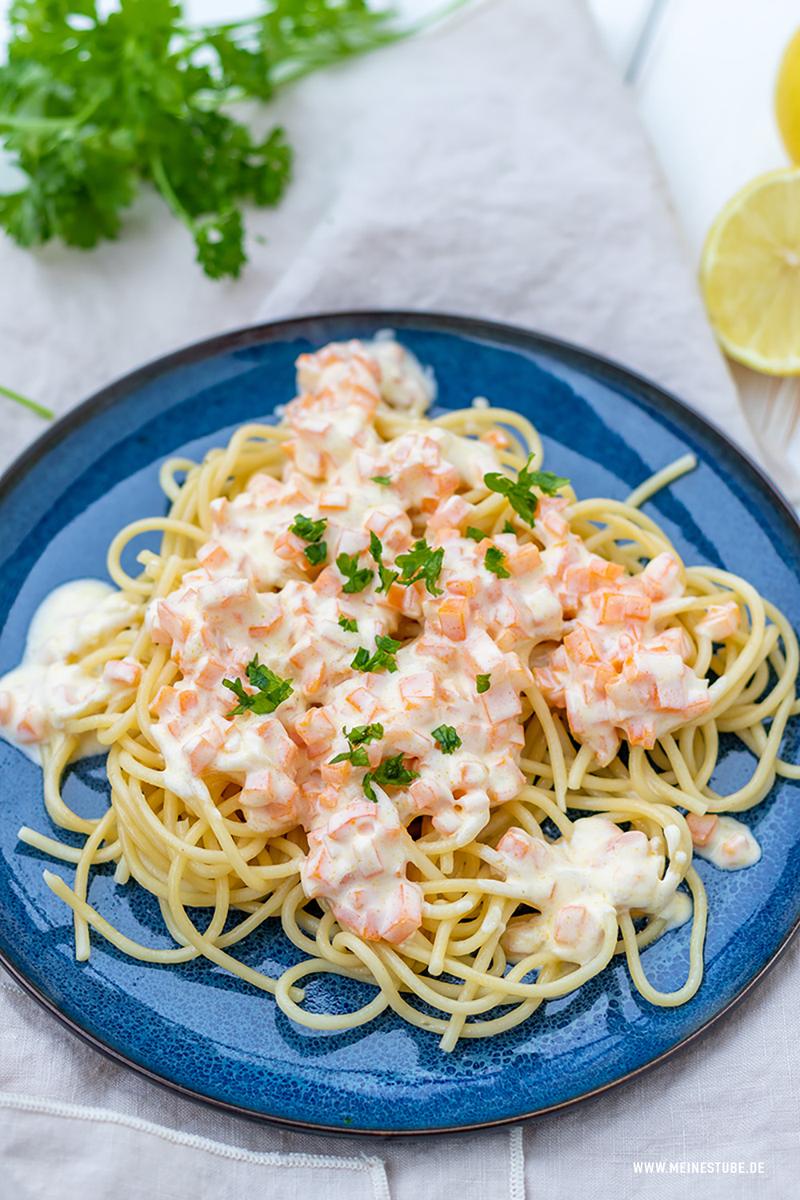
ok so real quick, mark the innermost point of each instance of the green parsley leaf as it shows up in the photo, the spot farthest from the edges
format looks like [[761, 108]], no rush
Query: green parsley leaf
[[382, 659], [389, 773], [358, 737], [509, 528], [308, 530], [421, 563], [316, 553], [387, 576], [518, 491], [358, 757], [356, 578], [482, 683], [97, 100], [494, 561], [348, 624], [383, 480], [272, 690], [447, 738], [477, 535]]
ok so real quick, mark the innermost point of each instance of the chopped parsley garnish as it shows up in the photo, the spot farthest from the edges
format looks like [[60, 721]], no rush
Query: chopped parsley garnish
[[272, 690], [356, 578], [482, 683], [307, 529], [390, 773], [348, 624], [311, 531], [509, 528], [382, 659], [518, 491], [495, 562], [446, 738], [421, 563], [376, 550], [358, 737], [477, 535], [383, 480], [316, 553]]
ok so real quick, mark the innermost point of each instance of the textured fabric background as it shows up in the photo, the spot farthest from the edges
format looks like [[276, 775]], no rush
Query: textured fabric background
[[494, 168]]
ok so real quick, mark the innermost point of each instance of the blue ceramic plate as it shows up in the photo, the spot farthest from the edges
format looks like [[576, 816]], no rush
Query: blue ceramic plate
[[206, 1033]]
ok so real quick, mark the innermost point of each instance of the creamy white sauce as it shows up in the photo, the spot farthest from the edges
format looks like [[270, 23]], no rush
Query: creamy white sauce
[[49, 687], [578, 884], [731, 846]]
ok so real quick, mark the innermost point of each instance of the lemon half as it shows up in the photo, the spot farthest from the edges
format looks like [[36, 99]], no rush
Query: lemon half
[[750, 274], [787, 98]]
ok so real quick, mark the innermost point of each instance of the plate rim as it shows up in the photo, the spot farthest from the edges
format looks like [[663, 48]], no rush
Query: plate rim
[[507, 335]]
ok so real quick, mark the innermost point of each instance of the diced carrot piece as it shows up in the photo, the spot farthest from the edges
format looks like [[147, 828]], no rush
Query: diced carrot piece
[[720, 621], [579, 646], [617, 607], [332, 500], [497, 438], [363, 702], [316, 729], [524, 559], [453, 613], [418, 690], [701, 827], [336, 774], [162, 700], [187, 700], [211, 673], [288, 546], [124, 670], [501, 702], [570, 924], [463, 587]]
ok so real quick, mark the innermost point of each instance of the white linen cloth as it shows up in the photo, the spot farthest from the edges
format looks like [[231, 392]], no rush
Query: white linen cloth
[[496, 168]]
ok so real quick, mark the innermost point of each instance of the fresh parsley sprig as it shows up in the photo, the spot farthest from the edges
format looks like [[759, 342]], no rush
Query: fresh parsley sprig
[[392, 772], [446, 738], [482, 683], [349, 624], [271, 690], [95, 103], [494, 561], [382, 659], [387, 576], [421, 563], [476, 534], [355, 578], [518, 491], [359, 737], [311, 531]]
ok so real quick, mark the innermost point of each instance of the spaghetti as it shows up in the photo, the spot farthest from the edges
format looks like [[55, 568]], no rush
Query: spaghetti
[[477, 718]]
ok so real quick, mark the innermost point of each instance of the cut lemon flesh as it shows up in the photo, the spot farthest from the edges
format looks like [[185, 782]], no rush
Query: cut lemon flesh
[[787, 98], [750, 274]]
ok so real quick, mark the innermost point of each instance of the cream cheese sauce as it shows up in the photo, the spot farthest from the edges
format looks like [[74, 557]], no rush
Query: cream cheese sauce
[[578, 884], [50, 686], [729, 844]]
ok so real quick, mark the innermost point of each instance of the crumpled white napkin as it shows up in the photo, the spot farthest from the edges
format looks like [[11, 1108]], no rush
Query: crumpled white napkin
[[494, 168]]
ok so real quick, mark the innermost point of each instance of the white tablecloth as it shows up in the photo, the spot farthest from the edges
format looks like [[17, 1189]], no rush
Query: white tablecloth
[[494, 168]]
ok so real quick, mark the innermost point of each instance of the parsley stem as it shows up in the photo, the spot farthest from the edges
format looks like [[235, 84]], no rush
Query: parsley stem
[[54, 124], [39, 409], [162, 182]]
